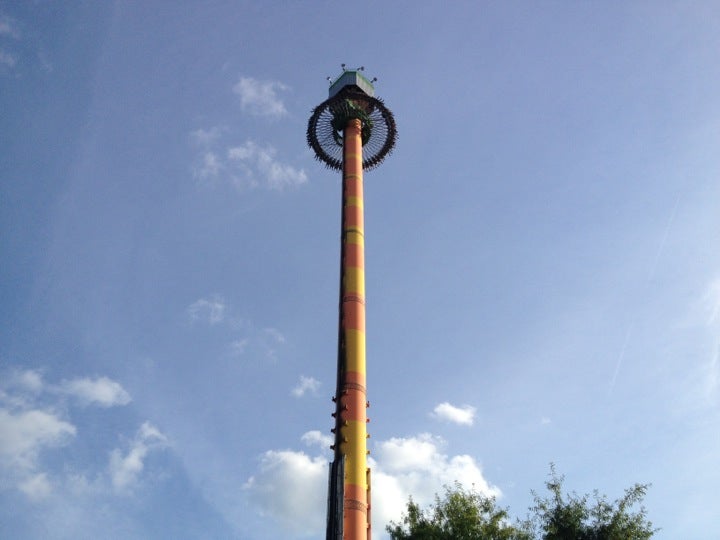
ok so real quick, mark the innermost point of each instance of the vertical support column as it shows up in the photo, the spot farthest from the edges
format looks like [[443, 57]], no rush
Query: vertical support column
[[353, 394]]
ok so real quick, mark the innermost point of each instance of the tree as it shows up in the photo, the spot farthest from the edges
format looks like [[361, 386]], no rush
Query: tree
[[460, 515], [467, 515], [573, 517]]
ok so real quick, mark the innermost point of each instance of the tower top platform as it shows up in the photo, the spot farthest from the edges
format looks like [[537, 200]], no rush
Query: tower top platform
[[352, 79]]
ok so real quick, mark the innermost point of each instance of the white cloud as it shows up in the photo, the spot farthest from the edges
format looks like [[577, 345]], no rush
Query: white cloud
[[255, 162], [261, 97], [290, 486], [256, 342], [206, 137], [36, 487], [27, 385], [30, 427], [25, 434], [20, 387], [238, 347], [317, 438], [100, 391], [246, 166], [248, 341], [305, 385], [30, 379], [269, 339], [125, 469], [209, 166], [210, 310], [275, 335], [446, 412], [243, 152], [417, 466]]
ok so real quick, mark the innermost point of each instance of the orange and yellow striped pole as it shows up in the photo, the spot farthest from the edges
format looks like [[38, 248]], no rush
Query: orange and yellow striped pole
[[353, 394], [352, 121]]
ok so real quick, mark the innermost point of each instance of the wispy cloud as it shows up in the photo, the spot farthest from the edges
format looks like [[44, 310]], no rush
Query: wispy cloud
[[22, 387], [34, 420], [23, 435], [274, 335], [36, 487], [259, 165], [210, 310], [711, 299], [245, 339], [8, 27], [711, 385], [445, 412], [711, 368], [270, 339], [256, 342], [261, 97], [208, 166], [125, 468], [702, 373], [249, 165], [7, 59], [290, 486], [239, 346], [206, 137], [100, 391], [305, 385], [22, 381]]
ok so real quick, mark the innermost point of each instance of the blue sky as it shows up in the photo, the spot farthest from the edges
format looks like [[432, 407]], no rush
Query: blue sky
[[543, 271]]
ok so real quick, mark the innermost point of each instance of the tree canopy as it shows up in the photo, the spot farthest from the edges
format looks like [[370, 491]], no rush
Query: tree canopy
[[574, 517], [460, 515], [463, 514]]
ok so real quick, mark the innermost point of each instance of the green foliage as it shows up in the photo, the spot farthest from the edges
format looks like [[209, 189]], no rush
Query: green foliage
[[467, 515], [574, 517], [459, 515]]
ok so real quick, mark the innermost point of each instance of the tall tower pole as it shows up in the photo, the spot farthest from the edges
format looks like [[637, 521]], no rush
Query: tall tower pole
[[352, 391], [351, 131]]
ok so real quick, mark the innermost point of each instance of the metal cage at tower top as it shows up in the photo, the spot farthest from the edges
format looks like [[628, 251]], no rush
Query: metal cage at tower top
[[328, 120]]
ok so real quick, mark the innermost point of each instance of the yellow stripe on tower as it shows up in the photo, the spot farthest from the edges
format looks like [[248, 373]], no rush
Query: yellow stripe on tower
[[355, 350], [354, 201], [355, 281], [356, 473]]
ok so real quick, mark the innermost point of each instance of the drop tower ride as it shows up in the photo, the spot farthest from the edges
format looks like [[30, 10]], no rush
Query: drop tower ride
[[352, 131]]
